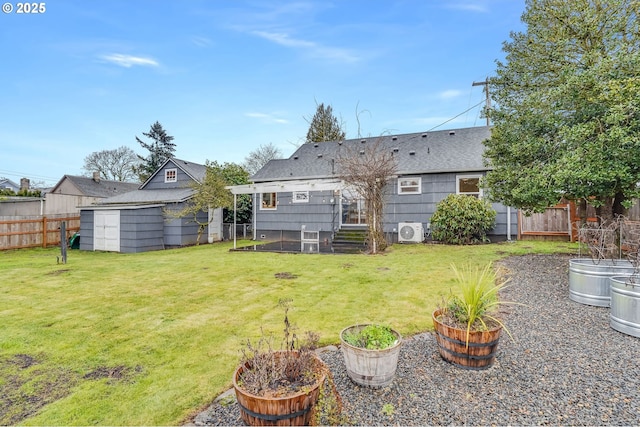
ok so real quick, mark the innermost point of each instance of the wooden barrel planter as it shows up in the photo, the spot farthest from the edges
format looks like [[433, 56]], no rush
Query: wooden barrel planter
[[291, 410], [625, 305], [452, 345], [371, 368], [589, 279]]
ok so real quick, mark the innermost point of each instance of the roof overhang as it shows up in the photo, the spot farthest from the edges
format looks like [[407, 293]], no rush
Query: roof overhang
[[288, 186]]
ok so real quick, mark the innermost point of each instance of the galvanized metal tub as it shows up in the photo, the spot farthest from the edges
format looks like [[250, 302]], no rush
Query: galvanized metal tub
[[372, 368], [625, 305], [589, 279]]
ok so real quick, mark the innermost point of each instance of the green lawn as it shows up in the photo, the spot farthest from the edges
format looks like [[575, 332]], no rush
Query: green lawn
[[153, 338]]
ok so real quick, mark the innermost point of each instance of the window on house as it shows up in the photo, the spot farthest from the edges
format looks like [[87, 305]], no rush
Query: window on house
[[269, 201], [409, 185], [171, 175], [469, 185], [300, 197]]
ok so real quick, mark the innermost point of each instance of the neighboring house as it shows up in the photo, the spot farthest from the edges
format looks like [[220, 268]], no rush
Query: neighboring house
[[74, 191], [138, 221], [7, 184], [304, 192]]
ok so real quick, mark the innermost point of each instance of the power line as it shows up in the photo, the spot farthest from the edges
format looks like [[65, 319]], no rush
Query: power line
[[453, 118]]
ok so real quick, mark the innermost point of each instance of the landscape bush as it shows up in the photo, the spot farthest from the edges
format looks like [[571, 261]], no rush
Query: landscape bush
[[462, 220]]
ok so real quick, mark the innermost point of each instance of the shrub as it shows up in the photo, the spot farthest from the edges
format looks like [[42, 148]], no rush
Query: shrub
[[462, 220]]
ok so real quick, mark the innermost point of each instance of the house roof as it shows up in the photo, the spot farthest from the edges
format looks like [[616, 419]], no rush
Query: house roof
[[195, 171], [167, 195], [7, 183], [102, 188], [458, 150]]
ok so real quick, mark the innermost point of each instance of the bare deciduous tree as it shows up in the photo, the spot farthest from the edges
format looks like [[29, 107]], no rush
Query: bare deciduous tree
[[260, 156], [368, 169], [116, 165]]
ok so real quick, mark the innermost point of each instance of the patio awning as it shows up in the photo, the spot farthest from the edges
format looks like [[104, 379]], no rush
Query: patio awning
[[287, 186]]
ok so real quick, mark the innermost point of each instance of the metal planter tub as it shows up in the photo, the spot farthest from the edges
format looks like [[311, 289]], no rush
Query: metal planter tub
[[625, 305], [589, 279]]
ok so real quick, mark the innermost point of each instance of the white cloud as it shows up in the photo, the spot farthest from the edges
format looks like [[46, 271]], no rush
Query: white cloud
[[449, 94], [128, 61], [469, 6], [310, 47], [268, 118]]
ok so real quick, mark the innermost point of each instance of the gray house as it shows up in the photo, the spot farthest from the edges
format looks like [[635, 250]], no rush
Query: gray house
[[138, 221], [304, 192]]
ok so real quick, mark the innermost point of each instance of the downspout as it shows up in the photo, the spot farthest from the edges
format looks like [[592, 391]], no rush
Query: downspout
[[508, 223]]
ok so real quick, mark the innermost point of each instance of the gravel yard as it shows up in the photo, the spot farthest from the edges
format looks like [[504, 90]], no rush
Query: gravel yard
[[566, 366]]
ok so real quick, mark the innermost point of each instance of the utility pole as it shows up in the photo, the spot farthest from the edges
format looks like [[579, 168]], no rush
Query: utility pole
[[486, 91]]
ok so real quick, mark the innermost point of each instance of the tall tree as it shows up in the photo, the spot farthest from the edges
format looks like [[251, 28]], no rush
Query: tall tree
[[117, 165], [324, 126], [160, 149], [260, 156], [567, 112], [368, 171]]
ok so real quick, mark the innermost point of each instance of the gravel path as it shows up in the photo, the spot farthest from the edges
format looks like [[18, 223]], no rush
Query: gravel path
[[566, 367]]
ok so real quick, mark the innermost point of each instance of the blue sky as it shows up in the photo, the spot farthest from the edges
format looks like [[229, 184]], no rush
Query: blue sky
[[224, 77]]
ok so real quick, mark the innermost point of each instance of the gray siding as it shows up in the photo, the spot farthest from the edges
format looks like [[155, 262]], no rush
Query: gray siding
[[141, 230], [322, 211], [157, 182], [86, 230], [183, 231]]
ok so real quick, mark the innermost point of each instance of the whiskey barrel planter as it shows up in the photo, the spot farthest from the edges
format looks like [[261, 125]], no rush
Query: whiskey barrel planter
[[480, 352], [625, 305], [291, 410], [371, 368], [589, 279]]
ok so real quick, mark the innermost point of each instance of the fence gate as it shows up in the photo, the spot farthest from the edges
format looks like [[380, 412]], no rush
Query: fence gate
[[552, 224]]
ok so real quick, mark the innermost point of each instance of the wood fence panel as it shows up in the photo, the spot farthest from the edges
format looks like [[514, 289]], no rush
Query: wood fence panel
[[33, 232], [552, 224]]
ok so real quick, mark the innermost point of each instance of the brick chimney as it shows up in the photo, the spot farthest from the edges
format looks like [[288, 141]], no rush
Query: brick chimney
[[96, 176], [24, 184]]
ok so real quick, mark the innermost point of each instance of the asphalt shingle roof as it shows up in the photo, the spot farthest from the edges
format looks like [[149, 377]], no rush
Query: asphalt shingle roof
[[101, 188], [457, 150]]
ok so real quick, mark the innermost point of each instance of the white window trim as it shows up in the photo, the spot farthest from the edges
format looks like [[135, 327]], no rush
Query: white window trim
[[402, 190], [295, 199], [263, 208], [166, 173], [480, 192]]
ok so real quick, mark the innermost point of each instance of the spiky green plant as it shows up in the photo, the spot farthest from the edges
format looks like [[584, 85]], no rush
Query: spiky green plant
[[478, 302]]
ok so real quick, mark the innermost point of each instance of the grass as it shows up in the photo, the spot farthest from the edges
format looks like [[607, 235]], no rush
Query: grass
[[153, 338]]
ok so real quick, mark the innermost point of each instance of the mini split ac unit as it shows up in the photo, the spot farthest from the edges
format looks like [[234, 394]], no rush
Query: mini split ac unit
[[410, 232]]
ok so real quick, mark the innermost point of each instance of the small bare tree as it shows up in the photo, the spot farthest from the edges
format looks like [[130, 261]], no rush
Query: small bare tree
[[208, 194], [368, 169]]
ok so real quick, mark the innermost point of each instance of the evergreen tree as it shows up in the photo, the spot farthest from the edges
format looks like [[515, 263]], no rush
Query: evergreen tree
[[324, 126], [160, 149], [567, 111]]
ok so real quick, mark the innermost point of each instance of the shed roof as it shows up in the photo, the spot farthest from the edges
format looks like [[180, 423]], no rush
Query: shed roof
[[458, 150], [166, 195]]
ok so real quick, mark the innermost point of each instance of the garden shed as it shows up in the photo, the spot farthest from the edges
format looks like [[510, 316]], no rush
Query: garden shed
[[140, 220]]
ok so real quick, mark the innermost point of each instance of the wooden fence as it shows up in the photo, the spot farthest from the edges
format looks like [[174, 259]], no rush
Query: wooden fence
[[560, 222], [35, 232]]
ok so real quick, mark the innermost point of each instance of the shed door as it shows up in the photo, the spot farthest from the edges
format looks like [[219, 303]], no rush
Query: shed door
[[106, 231]]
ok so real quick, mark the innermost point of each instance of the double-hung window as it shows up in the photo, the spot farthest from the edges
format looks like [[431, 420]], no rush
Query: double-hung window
[[469, 185], [171, 175], [409, 185], [269, 201]]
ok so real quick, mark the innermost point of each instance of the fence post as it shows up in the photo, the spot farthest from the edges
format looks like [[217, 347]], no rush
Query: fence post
[[63, 241], [44, 232]]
